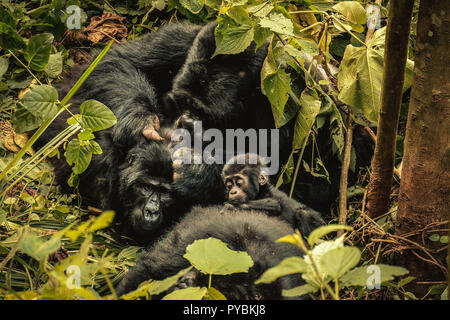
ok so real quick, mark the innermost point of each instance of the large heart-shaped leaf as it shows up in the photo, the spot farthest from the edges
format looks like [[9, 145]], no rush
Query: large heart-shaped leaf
[[338, 261], [233, 40], [41, 101], [96, 116], [212, 256], [38, 50]]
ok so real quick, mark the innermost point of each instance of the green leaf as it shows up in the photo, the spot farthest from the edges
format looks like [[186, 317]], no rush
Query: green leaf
[[160, 286], [38, 50], [101, 222], [86, 135], [55, 65], [41, 101], [78, 153], [233, 40], [276, 87], [38, 248], [214, 294], [192, 293], [278, 23], [194, 6], [212, 256], [353, 11], [299, 291], [310, 107], [434, 237], [96, 116], [25, 121], [288, 266], [360, 276], [360, 78], [323, 231], [239, 15], [9, 38], [4, 63], [338, 261]]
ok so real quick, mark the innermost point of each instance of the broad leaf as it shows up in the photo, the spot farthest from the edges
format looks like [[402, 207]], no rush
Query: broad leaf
[[299, 291], [278, 23], [323, 231], [214, 294], [41, 101], [192, 293], [338, 261], [353, 11], [233, 40], [96, 116], [194, 6], [212, 256], [160, 286], [80, 153], [288, 266], [370, 275], [310, 107], [38, 248], [55, 65], [276, 88], [4, 63], [38, 50], [9, 38], [25, 121], [101, 222]]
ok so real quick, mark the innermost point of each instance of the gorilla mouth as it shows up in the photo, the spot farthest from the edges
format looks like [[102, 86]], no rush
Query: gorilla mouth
[[151, 220]]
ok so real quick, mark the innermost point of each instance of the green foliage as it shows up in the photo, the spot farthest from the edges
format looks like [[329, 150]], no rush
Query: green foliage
[[325, 262], [209, 256]]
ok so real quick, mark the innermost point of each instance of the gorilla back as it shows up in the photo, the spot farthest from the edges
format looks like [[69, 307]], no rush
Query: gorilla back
[[250, 231]]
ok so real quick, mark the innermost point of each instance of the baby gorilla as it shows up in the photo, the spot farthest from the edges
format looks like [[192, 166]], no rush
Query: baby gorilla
[[248, 188], [253, 232]]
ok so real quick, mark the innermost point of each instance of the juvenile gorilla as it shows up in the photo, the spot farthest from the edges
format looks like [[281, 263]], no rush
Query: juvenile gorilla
[[251, 231], [248, 188]]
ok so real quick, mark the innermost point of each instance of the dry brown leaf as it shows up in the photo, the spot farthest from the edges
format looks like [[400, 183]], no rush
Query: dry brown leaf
[[108, 26], [11, 140], [24, 91]]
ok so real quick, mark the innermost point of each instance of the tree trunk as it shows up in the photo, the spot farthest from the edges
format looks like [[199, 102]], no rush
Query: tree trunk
[[425, 186], [395, 55]]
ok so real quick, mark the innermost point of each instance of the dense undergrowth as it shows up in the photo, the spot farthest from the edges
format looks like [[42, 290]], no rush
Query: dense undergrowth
[[44, 231]]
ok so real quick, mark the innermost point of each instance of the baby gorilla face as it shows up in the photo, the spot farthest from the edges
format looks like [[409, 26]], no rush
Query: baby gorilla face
[[237, 188]]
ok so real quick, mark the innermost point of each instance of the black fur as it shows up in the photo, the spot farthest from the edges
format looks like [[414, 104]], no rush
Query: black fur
[[251, 231]]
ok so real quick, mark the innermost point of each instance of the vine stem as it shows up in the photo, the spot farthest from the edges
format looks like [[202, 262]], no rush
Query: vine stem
[[297, 168]]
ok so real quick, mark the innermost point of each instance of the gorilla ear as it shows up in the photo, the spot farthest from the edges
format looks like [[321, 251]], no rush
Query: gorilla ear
[[262, 180]]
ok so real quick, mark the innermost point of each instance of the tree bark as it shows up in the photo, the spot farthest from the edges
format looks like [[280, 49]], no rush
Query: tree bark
[[395, 55], [424, 195]]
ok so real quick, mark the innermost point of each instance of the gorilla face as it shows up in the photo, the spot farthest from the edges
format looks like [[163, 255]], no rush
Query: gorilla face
[[145, 190]]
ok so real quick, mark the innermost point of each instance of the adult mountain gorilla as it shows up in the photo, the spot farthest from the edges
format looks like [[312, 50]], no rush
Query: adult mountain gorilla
[[136, 81], [250, 231]]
